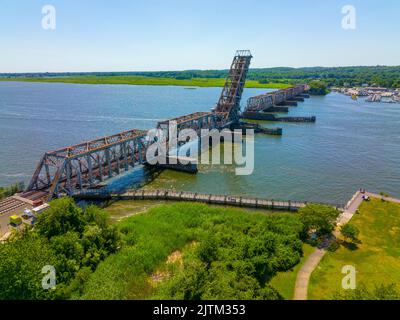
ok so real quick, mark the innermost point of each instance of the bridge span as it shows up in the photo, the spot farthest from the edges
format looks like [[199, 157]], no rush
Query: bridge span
[[263, 106], [282, 97], [73, 169]]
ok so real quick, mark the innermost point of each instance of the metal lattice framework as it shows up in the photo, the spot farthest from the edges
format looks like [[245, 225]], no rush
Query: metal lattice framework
[[195, 121], [261, 102], [229, 101], [71, 169], [83, 166]]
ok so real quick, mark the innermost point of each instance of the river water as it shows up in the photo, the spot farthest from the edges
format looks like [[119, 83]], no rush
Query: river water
[[352, 144]]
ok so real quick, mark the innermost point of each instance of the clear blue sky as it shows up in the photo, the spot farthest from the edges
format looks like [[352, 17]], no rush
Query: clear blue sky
[[131, 35]]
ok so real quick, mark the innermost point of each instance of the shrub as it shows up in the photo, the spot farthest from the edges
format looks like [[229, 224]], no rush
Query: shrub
[[333, 246], [350, 231]]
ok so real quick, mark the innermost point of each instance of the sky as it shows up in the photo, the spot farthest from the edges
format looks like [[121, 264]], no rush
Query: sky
[[151, 35]]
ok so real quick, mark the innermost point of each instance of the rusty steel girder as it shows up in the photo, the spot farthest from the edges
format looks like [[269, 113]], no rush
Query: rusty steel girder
[[229, 101], [71, 169], [263, 101]]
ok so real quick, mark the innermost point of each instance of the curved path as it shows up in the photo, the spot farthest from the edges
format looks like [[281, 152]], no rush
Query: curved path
[[304, 274]]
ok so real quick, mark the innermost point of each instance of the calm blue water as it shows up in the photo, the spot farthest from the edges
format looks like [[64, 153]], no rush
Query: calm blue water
[[353, 143]]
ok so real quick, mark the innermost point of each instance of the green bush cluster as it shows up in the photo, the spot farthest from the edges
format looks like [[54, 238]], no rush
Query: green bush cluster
[[236, 254], [318, 87], [350, 231], [71, 239], [21, 263], [236, 259]]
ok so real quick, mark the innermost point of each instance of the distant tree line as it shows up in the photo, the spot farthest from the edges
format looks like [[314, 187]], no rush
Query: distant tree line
[[386, 76]]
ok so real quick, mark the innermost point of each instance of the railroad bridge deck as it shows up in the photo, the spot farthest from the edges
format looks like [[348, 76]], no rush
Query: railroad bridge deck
[[277, 98]]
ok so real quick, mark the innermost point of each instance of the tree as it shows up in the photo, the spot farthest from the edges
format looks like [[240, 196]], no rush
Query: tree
[[318, 218], [70, 253], [62, 216], [318, 87], [350, 231], [21, 263]]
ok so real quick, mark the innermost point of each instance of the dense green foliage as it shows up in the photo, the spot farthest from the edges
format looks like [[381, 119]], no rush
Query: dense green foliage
[[350, 231], [235, 255], [21, 263], [285, 281], [387, 76], [379, 292], [318, 87], [318, 218], [72, 240], [10, 190]]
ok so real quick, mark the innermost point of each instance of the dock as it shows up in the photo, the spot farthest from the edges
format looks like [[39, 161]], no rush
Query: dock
[[172, 195]]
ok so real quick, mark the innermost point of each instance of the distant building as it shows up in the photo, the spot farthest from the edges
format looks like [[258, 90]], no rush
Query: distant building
[[376, 89]]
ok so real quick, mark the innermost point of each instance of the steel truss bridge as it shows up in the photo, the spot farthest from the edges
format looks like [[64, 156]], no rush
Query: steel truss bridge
[[84, 166], [276, 98]]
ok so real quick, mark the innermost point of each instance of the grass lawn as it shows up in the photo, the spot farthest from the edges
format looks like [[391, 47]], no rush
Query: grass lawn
[[141, 80], [123, 209], [376, 258], [284, 282]]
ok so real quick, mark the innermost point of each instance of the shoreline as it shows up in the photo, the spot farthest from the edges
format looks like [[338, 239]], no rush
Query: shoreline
[[147, 81]]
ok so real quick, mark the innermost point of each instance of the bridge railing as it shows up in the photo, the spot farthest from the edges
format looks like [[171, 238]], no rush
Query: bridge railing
[[174, 195]]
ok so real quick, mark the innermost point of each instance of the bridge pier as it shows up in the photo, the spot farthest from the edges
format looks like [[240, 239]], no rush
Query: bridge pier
[[259, 129], [298, 98], [178, 163], [276, 109], [290, 103], [270, 117]]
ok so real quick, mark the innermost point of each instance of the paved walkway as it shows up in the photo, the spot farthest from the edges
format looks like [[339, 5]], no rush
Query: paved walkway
[[304, 274], [389, 199]]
